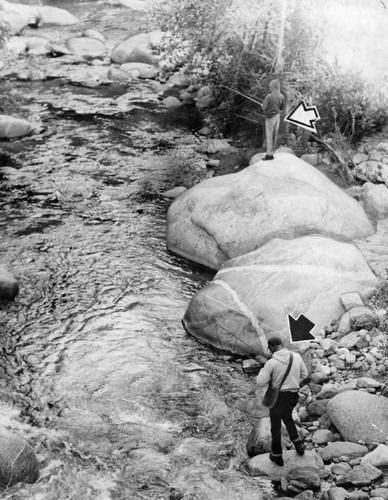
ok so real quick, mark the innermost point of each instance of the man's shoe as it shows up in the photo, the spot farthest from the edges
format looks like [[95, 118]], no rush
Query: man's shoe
[[277, 459], [268, 157], [299, 446]]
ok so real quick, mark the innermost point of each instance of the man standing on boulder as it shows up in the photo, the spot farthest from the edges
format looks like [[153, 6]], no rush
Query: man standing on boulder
[[273, 373], [272, 106]]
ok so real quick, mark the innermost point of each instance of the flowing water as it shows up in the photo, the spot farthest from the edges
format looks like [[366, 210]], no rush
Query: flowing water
[[125, 404]]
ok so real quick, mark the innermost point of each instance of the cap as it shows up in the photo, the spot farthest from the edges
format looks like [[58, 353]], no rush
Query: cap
[[273, 341]]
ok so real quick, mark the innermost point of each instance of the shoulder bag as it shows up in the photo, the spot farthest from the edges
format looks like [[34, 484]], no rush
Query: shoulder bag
[[272, 393]]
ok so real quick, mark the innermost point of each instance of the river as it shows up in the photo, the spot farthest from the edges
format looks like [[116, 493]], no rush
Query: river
[[123, 404]]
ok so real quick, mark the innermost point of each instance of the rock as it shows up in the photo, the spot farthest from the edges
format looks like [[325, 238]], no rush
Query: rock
[[140, 70], [350, 386], [186, 98], [376, 200], [322, 436], [171, 102], [363, 475], [137, 48], [259, 439], [350, 300], [312, 159], [252, 295], [178, 80], [256, 158], [350, 340], [287, 199], [174, 193], [344, 324], [359, 158], [337, 493], [360, 415], [203, 92], [11, 127], [319, 377], [90, 33], [356, 192], [119, 75], [316, 408], [340, 469], [382, 146], [141, 5], [378, 457], [350, 358], [9, 287], [363, 317], [17, 460], [379, 493], [87, 47], [262, 465], [367, 382], [204, 102], [342, 448], [328, 391], [54, 15], [302, 478], [285, 149], [304, 495], [215, 146], [251, 366]]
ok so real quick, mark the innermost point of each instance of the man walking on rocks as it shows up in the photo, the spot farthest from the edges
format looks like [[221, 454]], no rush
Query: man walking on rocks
[[273, 373], [272, 106]]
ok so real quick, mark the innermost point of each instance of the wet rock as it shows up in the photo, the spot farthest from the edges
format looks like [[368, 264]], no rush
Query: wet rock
[[140, 70], [259, 439], [262, 465], [337, 493], [301, 478], [137, 48], [9, 287], [342, 448], [350, 300], [251, 366], [17, 460], [90, 33], [171, 102], [360, 415], [376, 200], [378, 457], [11, 127], [322, 436], [362, 317], [119, 75], [89, 48], [362, 475], [174, 193]]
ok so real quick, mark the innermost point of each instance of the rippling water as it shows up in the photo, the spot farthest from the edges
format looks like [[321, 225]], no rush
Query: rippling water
[[130, 407]]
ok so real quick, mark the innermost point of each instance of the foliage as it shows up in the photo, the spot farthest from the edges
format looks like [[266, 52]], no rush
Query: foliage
[[347, 104]]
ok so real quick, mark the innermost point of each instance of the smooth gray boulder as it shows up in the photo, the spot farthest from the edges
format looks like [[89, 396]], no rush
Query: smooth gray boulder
[[137, 48], [231, 215], [17, 460], [86, 47], [9, 287], [360, 415], [250, 298], [11, 127]]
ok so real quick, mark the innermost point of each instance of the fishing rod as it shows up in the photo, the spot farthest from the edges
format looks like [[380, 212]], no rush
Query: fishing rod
[[243, 95]]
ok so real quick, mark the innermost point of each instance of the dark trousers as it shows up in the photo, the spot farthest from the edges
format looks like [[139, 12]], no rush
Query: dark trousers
[[282, 410]]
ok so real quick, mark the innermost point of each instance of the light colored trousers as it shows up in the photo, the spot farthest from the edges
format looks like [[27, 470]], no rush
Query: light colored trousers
[[271, 133]]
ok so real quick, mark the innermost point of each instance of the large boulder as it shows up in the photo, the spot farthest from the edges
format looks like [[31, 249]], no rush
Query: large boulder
[[9, 287], [137, 48], [231, 215], [86, 47], [251, 297], [17, 460], [54, 15], [360, 415], [376, 200], [11, 127]]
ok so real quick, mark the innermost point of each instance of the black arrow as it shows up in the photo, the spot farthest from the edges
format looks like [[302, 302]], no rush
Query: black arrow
[[300, 328], [303, 116]]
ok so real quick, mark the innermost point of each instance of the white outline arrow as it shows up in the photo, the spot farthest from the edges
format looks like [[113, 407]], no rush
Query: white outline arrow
[[303, 116]]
